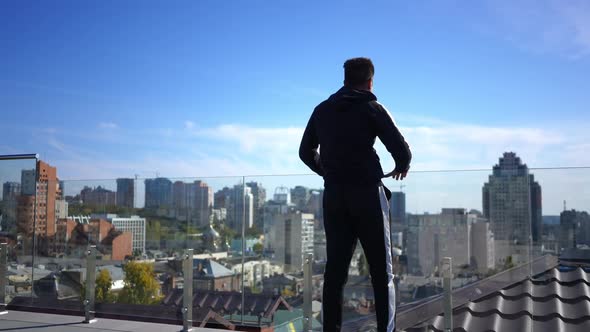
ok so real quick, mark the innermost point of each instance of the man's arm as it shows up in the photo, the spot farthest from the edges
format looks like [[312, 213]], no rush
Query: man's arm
[[308, 149], [393, 140]]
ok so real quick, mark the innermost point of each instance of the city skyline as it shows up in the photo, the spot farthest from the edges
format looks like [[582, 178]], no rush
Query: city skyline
[[426, 192]]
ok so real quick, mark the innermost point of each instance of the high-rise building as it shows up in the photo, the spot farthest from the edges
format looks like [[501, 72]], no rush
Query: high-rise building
[[28, 181], [291, 238], [259, 198], [242, 204], [511, 201], [10, 191], [200, 202], [574, 229], [536, 211], [452, 233], [222, 198], [179, 196], [36, 206], [126, 192], [397, 206], [300, 196], [158, 193]]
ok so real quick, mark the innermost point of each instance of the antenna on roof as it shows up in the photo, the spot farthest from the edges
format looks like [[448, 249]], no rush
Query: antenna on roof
[[564, 205]]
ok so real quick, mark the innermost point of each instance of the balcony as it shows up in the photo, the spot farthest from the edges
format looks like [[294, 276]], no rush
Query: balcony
[[489, 247]]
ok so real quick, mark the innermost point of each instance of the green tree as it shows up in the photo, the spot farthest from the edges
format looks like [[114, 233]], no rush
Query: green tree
[[254, 232], [141, 286], [258, 248], [103, 286], [508, 264]]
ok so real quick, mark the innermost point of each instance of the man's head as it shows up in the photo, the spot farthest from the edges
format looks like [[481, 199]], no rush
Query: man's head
[[358, 73]]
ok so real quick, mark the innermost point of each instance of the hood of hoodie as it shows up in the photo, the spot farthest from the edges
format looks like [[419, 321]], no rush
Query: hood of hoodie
[[346, 97]]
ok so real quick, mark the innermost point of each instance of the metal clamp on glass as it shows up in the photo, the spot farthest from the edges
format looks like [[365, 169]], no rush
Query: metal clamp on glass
[[90, 285], [187, 297]]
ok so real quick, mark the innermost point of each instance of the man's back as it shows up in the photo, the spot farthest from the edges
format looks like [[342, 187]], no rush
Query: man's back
[[346, 125]]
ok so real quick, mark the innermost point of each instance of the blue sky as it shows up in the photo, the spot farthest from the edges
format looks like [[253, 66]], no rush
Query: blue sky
[[104, 89]]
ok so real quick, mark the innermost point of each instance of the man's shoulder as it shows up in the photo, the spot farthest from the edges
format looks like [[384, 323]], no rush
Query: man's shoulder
[[322, 106], [376, 106]]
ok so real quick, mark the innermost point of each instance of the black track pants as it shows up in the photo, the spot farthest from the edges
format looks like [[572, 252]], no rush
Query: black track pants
[[354, 212]]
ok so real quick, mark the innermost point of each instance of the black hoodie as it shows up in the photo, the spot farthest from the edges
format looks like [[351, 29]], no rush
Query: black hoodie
[[345, 127]]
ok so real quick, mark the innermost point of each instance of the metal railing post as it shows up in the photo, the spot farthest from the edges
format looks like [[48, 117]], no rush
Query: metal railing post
[[90, 285], [447, 271], [187, 297], [3, 276], [307, 293]]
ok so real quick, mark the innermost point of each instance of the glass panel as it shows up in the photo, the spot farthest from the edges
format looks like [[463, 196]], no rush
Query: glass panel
[[562, 249], [60, 247], [142, 228], [434, 215], [17, 215], [287, 225]]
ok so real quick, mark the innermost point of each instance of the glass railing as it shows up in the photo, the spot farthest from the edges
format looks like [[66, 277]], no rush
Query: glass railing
[[259, 248], [18, 218]]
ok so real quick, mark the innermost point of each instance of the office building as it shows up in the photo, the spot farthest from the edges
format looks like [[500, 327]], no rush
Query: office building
[[200, 203], [10, 191], [574, 229], [259, 198], [397, 206], [300, 196], [242, 204], [511, 202], [291, 238], [158, 193], [126, 192], [36, 206], [464, 237]]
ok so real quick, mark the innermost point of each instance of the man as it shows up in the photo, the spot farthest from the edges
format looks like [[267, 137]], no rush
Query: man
[[355, 204]]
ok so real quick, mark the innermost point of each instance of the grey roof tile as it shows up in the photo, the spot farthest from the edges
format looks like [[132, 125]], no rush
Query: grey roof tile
[[553, 301]]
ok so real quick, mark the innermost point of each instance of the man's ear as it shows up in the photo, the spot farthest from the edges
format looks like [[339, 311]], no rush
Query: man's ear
[[370, 84]]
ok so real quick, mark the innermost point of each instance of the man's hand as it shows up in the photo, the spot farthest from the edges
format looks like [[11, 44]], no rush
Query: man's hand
[[396, 175]]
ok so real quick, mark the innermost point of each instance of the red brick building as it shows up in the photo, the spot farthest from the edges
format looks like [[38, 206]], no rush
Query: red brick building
[[73, 237], [36, 206]]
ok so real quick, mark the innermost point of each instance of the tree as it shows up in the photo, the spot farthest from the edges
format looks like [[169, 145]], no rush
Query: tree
[[253, 232], [140, 284], [508, 264], [103, 286], [258, 248]]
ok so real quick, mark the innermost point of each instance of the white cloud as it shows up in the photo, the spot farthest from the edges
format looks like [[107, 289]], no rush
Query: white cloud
[[251, 139], [108, 125]]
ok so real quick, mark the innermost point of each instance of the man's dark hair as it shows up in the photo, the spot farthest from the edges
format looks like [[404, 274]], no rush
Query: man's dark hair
[[358, 71]]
